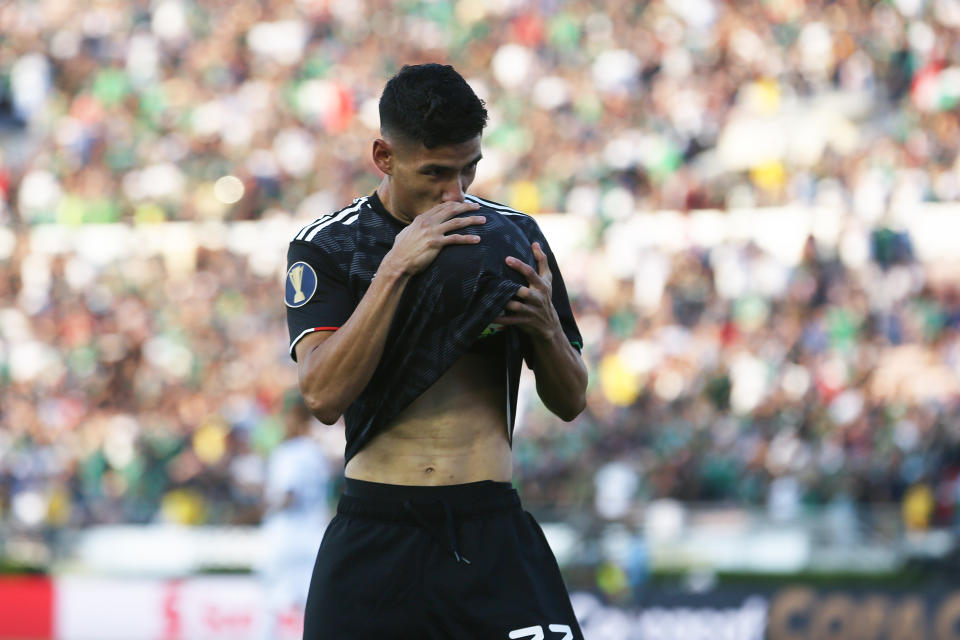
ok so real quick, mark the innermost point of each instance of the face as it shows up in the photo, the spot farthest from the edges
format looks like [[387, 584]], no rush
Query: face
[[421, 178]]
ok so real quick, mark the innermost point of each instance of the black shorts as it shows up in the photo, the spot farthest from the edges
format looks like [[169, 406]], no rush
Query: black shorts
[[452, 562]]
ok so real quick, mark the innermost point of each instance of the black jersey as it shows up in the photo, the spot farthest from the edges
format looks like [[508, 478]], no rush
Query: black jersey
[[442, 313]]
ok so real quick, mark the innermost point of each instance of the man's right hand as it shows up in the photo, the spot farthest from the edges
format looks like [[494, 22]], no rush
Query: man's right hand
[[419, 243]]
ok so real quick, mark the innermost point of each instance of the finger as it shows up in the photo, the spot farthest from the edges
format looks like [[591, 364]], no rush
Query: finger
[[444, 210], [448, 210], [460, 223], [543, 266], [524, 268], [514, 320], [459, 238], [515, 305], [523, 293]]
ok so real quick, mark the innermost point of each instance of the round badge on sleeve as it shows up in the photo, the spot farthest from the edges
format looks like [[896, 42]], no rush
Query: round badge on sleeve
[[301, 284]]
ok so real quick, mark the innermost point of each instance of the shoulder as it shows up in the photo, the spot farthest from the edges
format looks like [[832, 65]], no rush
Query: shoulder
[[332, 224], [502, 209], [525, 222]]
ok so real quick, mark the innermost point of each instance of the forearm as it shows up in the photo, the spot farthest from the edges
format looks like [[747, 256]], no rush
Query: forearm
[[561, 375], [337, 370]]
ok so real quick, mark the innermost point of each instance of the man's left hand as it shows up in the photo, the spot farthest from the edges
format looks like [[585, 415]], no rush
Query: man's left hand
[[531, 309]]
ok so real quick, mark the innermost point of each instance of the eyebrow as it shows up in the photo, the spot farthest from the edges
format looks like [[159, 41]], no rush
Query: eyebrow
[[444, 167]]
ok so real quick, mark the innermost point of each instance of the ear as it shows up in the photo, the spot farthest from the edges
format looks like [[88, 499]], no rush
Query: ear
[[382, 154]]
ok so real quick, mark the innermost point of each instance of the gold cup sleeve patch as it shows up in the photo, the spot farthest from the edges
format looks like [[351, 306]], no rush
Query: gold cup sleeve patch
[[301, 284]]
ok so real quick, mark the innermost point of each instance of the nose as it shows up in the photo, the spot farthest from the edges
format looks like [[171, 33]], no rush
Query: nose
[[453, 191]]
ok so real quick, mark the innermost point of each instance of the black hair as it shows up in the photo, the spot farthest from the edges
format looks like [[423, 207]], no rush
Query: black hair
[[431, 104]]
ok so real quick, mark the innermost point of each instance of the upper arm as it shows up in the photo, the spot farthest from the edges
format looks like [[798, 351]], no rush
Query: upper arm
[[306, 345], [316, 295], [305, 364]]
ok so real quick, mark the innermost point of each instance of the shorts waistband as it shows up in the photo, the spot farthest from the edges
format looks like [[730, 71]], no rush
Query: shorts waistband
[[391, 501]]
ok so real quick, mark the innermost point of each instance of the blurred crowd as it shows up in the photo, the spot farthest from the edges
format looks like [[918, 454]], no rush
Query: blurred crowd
[[136, 390], [814, 385], [135, 110]]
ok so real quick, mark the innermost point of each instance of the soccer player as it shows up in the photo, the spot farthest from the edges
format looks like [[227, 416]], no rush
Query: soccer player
[[295, 492], [411, 312]]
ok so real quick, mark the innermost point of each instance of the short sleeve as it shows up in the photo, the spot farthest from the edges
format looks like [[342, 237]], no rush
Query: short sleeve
[[316, 294]]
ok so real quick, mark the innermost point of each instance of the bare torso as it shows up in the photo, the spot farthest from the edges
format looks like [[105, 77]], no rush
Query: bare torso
[[453, 433]]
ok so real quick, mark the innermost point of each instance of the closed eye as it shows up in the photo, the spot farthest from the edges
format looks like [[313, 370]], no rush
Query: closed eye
[[434, 172]]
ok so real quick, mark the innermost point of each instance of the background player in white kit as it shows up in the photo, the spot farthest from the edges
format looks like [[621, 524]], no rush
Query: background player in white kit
[[296, 493]]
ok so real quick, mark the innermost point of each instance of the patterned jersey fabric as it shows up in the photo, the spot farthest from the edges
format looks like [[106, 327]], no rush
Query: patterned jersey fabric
[[442, 312]]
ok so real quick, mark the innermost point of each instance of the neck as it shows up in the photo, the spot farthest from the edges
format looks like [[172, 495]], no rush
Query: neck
[[385, 193]]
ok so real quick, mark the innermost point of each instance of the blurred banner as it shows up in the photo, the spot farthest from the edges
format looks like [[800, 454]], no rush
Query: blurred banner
[[88, 608]]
